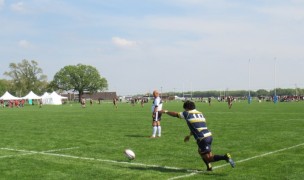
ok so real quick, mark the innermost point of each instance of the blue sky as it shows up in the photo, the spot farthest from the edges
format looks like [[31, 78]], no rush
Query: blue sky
[[141, 45]]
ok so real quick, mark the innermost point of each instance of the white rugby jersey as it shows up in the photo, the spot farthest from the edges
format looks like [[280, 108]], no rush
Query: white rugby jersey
[[157, 103]]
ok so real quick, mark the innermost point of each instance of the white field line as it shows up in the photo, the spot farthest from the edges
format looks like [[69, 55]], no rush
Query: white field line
[[49, 153], [240, 161], [26, 152], [8, 156]]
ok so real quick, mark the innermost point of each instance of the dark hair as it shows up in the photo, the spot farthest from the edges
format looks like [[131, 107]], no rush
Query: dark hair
[[189, 105]]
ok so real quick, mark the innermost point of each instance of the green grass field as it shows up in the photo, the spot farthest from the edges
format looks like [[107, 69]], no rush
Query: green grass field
[[67, 142]]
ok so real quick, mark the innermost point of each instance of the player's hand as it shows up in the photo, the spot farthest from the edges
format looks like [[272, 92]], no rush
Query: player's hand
[[186, 138], [164, 111]]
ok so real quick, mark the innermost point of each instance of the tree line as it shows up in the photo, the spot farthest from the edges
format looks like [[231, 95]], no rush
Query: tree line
[[243, 93], [27, 76]]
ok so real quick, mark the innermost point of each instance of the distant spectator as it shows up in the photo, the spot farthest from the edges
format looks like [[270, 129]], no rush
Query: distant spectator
[[16, 103], [132, 102], [22, 102], [83, 103], [115, 102], [11, 103], [229, 100], [40, 103]]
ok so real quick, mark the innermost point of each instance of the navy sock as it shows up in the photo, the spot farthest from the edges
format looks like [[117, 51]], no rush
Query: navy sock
[[218, 157]]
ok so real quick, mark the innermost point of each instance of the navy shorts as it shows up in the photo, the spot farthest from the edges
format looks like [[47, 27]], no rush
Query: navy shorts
[[157, 116], [204, 145]]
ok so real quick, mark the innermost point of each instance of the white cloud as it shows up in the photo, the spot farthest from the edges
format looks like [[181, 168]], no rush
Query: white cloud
[[18, 7], [24, 44], [121, 42]]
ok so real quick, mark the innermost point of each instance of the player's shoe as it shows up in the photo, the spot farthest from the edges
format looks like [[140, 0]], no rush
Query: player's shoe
[[229, 159]]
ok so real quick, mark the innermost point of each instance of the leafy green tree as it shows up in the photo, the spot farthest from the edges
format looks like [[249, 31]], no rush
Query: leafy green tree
[[5, 85], [300, 92], [26, 76], [284, 92], [80, 78], [262, 92]]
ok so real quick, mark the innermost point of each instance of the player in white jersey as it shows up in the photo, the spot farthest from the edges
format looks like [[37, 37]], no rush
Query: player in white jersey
[[156, 114]]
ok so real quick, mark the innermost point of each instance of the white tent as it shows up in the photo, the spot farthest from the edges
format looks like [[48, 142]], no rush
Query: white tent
[[56, 98], [8, 96], [31, 95], [47, 98], [52, 98]]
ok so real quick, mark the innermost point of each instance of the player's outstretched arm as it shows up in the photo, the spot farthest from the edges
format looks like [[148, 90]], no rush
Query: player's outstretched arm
[[173, 114]]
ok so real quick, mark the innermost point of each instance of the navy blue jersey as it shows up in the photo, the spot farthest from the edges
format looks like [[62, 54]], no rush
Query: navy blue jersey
[[196, 123]]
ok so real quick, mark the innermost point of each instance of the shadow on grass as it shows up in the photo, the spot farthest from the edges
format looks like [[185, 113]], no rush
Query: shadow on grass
[[171, 170], [163, 169], [137, 136]]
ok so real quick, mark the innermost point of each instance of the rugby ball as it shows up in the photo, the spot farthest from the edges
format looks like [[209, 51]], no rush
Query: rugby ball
[[129, 154]]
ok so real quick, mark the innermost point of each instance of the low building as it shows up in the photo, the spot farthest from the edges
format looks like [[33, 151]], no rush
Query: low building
[[94, 96]]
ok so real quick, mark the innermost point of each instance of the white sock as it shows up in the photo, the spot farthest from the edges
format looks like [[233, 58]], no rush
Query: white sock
[[159, 130], [154, 131]]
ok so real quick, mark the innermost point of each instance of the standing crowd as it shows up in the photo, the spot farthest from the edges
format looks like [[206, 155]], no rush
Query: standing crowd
[[12, 103]]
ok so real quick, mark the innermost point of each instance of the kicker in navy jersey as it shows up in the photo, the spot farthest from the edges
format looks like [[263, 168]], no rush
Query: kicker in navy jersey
[[198, 129]]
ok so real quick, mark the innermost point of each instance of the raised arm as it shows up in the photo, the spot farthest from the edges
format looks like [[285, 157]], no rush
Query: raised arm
[[170, 113]]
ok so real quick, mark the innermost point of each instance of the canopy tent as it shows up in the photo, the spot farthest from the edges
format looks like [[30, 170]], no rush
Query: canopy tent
[[56, 98], [46, 98], [31, 95], [52, 98], [8, 96]]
